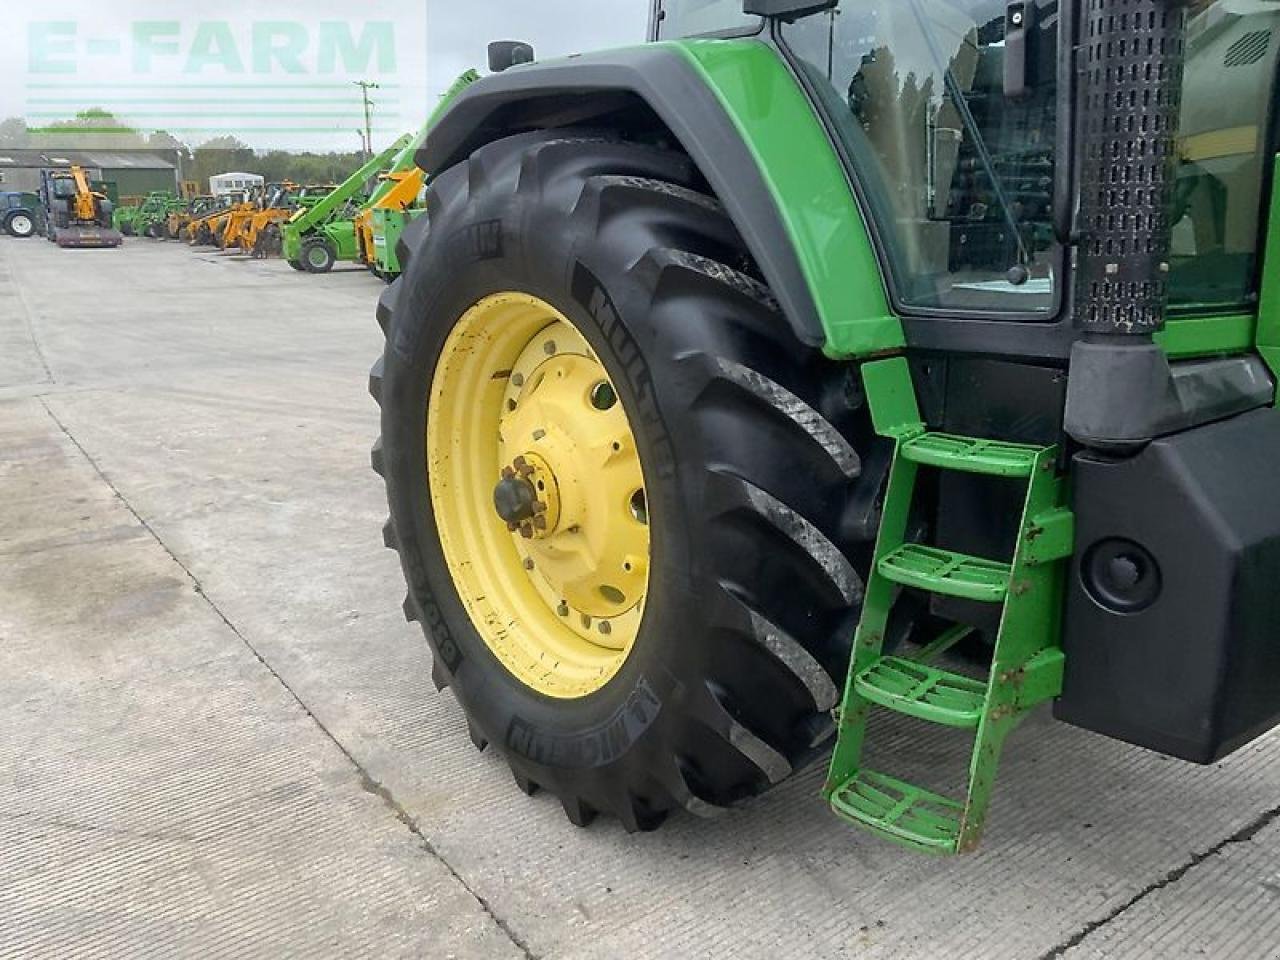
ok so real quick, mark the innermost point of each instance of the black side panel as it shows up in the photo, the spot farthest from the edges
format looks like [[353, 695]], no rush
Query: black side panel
[[1172, 632], [975, 396], [623, 85]]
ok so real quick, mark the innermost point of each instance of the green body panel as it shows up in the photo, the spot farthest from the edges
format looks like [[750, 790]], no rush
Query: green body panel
[[810, 189], [1027, 662], [341, 235], [1268, 334], [1207, 336], [388, 225]]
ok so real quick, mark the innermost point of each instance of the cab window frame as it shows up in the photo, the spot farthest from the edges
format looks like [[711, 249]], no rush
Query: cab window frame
[[1052, 322]]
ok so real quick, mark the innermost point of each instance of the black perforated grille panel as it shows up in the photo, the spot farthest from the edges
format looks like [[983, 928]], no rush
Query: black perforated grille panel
[[1131, 92]]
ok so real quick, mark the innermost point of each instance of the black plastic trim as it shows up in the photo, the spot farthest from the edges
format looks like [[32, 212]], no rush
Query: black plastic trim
[[1123, 394], [547, 95]]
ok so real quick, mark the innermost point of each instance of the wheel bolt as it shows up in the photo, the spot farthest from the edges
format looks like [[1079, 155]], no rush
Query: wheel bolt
[[606, 627]]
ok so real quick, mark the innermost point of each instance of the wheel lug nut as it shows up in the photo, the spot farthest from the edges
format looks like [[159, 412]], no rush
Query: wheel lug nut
[[606, 627], [563, 609], [528, 563], [549, 348], [517, 379], [539, 434]]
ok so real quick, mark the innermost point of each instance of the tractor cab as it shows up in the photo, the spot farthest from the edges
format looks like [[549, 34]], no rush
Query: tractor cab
[[950, 118]]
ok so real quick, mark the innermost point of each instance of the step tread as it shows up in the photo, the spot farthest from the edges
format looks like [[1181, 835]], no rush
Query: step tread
[[900, 811], [922, 691], [946, 572], [997, 458]]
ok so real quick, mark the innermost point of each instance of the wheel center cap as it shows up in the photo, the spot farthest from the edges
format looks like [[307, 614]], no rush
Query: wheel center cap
[[525, 498], [515, 500]]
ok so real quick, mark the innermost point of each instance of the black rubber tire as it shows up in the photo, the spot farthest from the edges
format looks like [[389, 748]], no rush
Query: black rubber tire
[[297, 265], [750, 442], [20, 224], [318, 245]]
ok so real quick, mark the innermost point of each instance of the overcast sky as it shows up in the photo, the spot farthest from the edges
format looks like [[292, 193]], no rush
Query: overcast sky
[[277, 74]]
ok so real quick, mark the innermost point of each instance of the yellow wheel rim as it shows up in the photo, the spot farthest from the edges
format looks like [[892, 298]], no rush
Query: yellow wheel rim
[[538, 495]]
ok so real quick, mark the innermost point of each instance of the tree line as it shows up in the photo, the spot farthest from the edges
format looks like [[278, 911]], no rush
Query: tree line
[[97, 129]]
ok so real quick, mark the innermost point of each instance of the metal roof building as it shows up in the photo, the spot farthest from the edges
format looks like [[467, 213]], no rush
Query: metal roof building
[[133, 172]]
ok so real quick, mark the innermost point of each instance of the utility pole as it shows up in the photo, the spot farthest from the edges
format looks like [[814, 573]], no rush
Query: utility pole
[[365, 86]]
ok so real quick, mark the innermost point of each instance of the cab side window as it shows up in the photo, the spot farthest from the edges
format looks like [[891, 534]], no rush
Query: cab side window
[[959, 176]]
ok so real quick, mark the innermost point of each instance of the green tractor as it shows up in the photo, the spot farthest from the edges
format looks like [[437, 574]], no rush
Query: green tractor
[[824, 361]]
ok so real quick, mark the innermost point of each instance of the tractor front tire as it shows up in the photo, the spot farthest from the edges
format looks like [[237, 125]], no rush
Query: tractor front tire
[[555, 253], [21, 225], [318, 255]]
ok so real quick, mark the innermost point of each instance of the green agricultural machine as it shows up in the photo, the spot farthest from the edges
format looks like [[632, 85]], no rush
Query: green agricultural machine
[[339, 229], [319, 236], [152, 215], [384, 223], [824, 378], [122, 218]]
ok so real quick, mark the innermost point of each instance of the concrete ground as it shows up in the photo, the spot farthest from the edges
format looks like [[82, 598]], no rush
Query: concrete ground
[[221, 738]]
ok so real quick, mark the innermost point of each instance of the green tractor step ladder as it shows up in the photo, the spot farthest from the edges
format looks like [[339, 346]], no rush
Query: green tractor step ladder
[[1027, 661]]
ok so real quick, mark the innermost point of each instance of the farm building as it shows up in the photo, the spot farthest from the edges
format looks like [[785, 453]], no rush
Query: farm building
[[127, 172]]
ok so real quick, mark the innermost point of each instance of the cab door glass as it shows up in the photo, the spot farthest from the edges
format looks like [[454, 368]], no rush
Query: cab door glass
[[958, 176], [1223, 152], [692, 18]]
